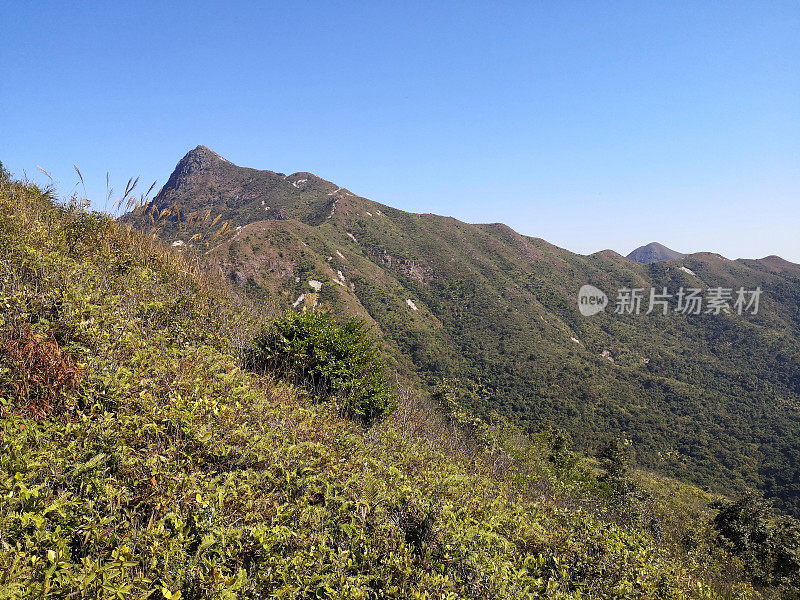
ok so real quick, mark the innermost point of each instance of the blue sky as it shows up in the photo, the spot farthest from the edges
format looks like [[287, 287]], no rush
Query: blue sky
[[591, 124]]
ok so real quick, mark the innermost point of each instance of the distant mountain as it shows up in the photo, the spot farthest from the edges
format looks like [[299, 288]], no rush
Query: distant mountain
[[713, 399], [654, 252]]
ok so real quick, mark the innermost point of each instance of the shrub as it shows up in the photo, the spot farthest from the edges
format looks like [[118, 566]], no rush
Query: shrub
[[614, 459], [329, 360], [768, 544]]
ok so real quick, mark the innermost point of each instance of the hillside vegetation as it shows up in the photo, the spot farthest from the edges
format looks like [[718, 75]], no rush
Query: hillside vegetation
[[140, 459], [711, 399]]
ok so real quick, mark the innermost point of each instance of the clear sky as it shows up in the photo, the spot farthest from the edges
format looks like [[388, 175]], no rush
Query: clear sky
[[591, 124]]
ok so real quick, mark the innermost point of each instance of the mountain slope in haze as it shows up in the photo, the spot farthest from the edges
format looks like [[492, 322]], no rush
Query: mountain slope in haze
[[710, 398], [654, 252]]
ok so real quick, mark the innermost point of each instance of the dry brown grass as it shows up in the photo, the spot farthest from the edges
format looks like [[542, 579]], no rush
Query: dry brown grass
[[42, 374]]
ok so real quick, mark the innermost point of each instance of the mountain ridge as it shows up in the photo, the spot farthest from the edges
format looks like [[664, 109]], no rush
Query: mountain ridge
[[496, 312], [203, 158]]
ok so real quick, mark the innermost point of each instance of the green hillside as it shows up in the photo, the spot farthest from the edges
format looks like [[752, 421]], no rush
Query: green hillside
[[711, 399], [140, 460]]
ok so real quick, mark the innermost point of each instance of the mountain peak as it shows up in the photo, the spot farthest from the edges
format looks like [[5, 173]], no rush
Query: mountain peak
[[654, 252], [203, 156], [204, 180], [192, 170]]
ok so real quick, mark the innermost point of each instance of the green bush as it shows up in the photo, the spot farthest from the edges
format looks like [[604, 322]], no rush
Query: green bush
[[767, 543], [330, 360]]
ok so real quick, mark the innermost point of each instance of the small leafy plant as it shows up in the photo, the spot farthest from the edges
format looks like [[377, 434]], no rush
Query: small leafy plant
[[330, 360]]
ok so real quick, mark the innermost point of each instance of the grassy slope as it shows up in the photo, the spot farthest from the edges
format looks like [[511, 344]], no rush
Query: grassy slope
[[155, 464]]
